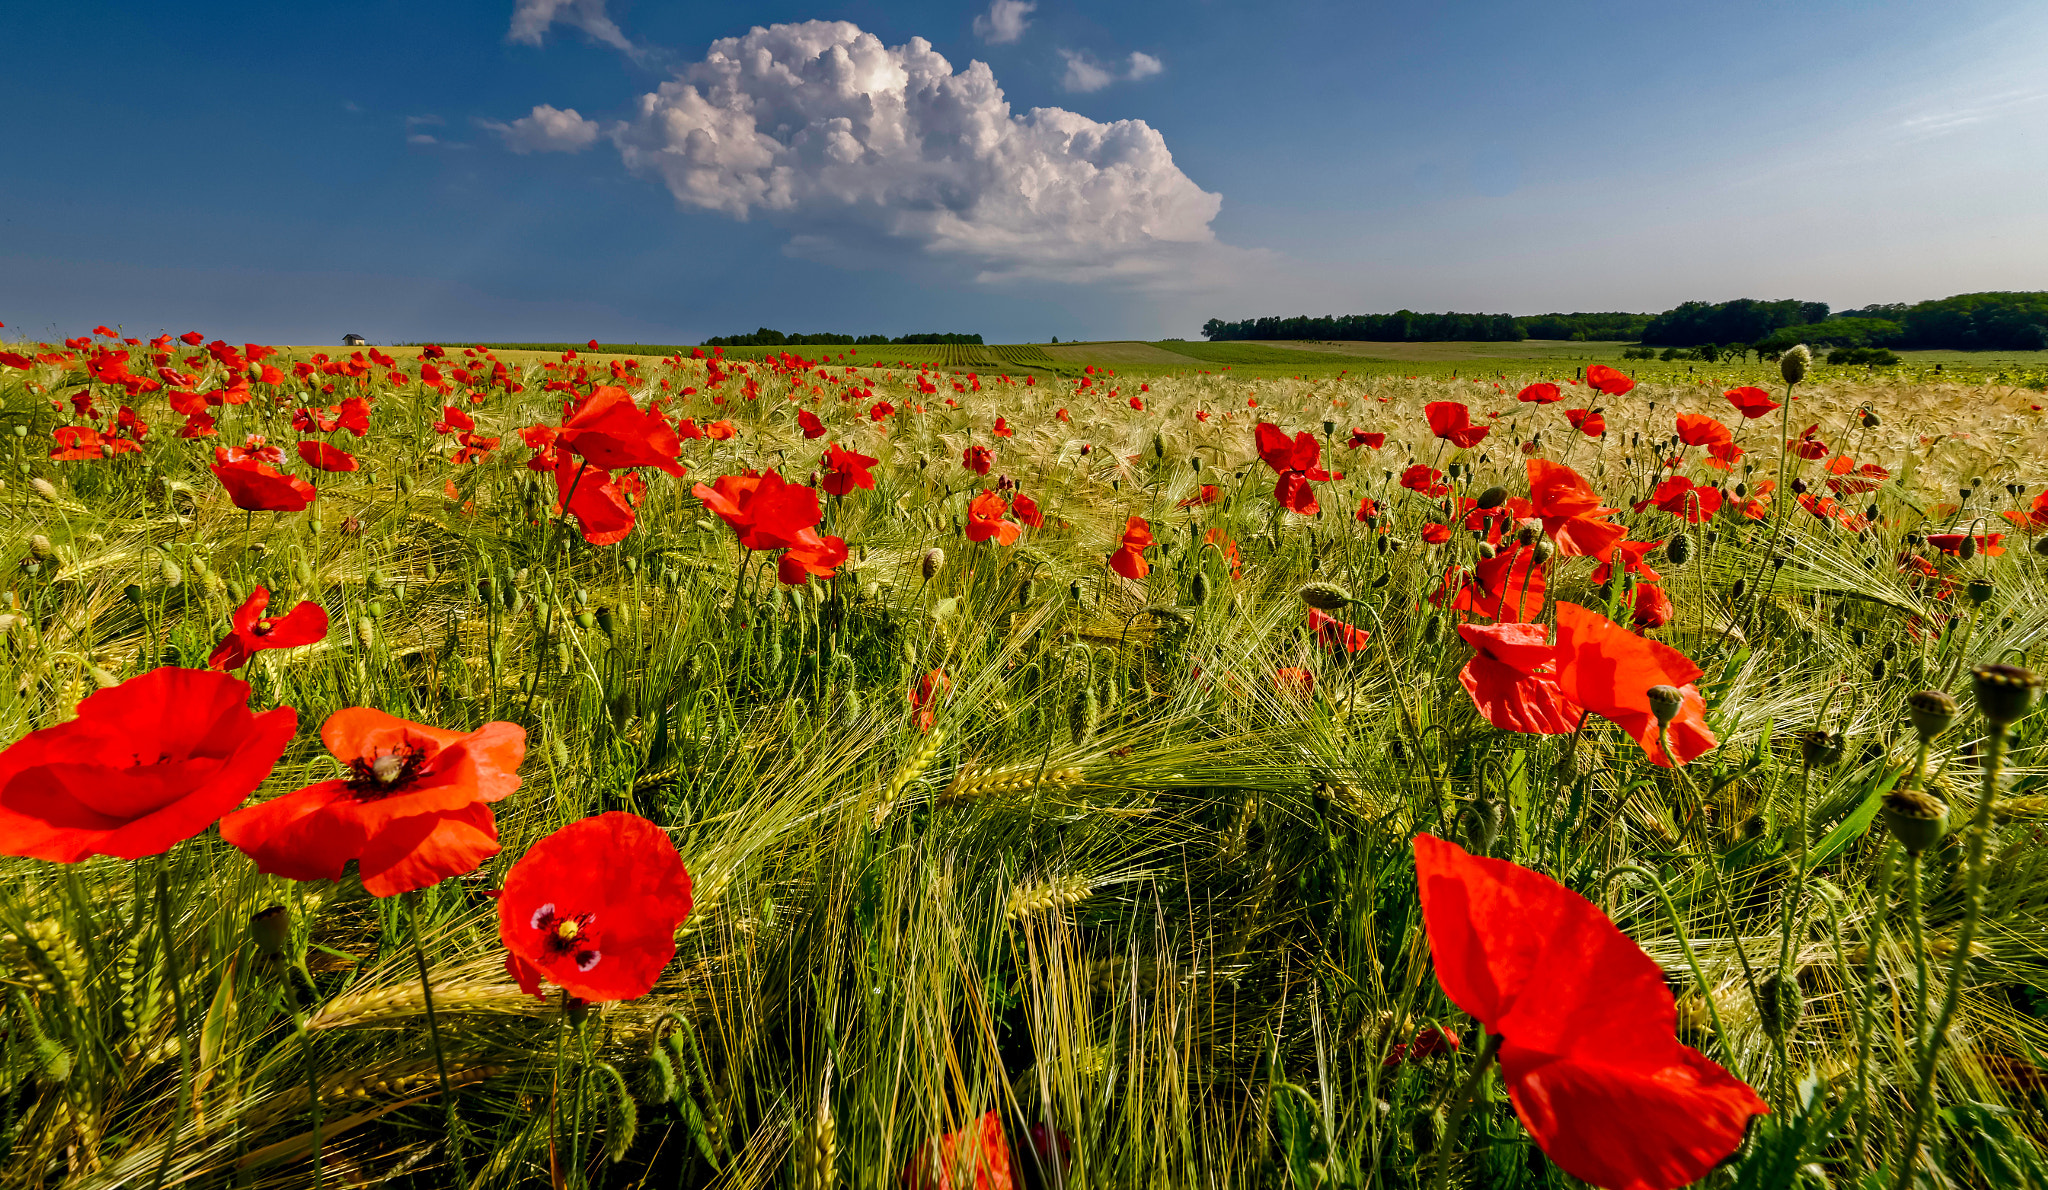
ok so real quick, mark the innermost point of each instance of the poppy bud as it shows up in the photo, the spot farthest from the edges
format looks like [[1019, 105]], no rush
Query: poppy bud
[[1870, 421], [934, 561], [1528, 530], [1917, 819], [1665, 703], [1541, 551], [1819, 749], [1196, 463], [1680, 550], [1799, 487], [607, 623], [2041, 545], [39, 546], [1779, 1003], [1199, 588], [2005, 693], [1493, 497], [42, 487], [1486, 550], [271, 930], [1327, 597], [1793, 364], [1968, 549]]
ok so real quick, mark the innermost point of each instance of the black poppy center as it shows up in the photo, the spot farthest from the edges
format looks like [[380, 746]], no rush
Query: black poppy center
[[385, 772], [567, 936]]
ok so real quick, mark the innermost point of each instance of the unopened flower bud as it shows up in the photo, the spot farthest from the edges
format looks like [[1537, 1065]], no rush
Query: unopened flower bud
[[1819, 749], [1528, 530], [1917, 819], [2005, 693], [934, 561], [1493, 497], [1793, 364], [271, 930], [1679, 550], [1665, 703], [1328, 597]]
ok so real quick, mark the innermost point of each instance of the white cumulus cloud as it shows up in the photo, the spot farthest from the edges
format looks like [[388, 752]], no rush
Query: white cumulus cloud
[[863, 150], [1005, 21], [1085, 74], [547, 130], [531, 18]]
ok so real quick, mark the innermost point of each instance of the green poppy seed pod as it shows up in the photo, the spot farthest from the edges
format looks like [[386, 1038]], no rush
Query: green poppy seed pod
[[1779, 1004], [1679, 551], [1665, 703], [1327, 597], [2005, 693], [934, 561], [271, 930], [1980, 590], [1820, 749], [586, 621], [133, 594], [1493, 497], [1793, 364], [1917, 819], [1329, 428]]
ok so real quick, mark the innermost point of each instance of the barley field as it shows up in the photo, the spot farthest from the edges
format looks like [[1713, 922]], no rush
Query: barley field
[[1083, 779]]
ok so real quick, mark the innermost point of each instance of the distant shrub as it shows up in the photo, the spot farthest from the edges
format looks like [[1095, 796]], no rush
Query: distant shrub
[[1873, 356]]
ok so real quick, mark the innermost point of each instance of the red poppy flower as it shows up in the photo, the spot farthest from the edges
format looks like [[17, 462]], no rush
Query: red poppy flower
[[1370, 441], [809, 423], [1368, 508], [2035, 518], [1632, 555], [256, 486], [1652, 608], [1129, 559], [931, 690], [413, 811], [1682, 498], [1952, 543], [1219, 541], [846, 470], [1512, 679], [1292, 682], [1725, 455], [1571, 511], [1421, 477], [1806, 446], [985, 519], [1335, 634], [252, 631], [326, 458], [453, 420], [1697, 429], [1436, 534], [593, 908], [1607, 380], [1209, 494], [1508, 586], [976, 459], [1297, 462], [810, 554], [1026, 510], [1452, 422], [611, 432], [1587, 421], [1541, 393], [979, 1151], [586, 492], [1609, 670], [1750, 402], [1587, 1025], [152, 761], [1002, 429], [767, 511], [1430, 1041]]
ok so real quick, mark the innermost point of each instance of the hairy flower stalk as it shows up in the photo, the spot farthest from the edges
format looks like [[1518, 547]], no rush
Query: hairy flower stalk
[[2005, 693]]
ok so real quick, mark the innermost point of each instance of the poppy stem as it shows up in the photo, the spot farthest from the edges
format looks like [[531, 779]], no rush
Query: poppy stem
[[1460, 1104], [1872, 940], [1966, 936], [419, 955], [163, 925]]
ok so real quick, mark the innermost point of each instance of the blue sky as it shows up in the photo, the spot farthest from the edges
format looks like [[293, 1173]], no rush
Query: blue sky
[[411, 171]]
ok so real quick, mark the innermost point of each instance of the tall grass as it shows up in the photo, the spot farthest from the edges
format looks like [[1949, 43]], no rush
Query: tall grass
[[1126, 888]]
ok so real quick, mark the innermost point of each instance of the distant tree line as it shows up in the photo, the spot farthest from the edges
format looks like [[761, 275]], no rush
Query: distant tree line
[[773, 338], [2005, 321]]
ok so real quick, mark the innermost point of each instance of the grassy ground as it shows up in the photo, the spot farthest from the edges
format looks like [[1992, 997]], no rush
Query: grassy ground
[[1125, 885]]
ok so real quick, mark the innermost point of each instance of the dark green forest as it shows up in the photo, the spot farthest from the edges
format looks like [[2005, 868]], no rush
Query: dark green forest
[[773, 338]]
